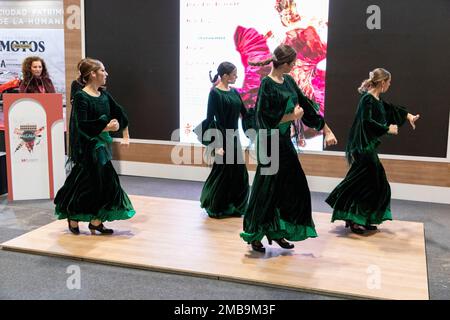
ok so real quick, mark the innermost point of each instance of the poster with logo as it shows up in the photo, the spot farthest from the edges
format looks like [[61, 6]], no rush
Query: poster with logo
[[31, 28], [240, 31], [34, 136]]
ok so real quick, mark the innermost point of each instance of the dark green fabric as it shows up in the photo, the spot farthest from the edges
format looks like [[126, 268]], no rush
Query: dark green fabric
[[225, 192], [372, 121], [92, 190], [102, 152], [285, 127], [364, 195], [90, 115], [74, 88], [363, 218], [226, 189], [280, 204], [395, 114], [224, 109], [311, 118], [281, 229]]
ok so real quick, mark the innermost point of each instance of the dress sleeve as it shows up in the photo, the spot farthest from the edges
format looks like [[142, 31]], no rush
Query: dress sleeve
[[268, 112], [311, 116], [209, 122], [89, 128], [117, 112], [213, 102], [395, 114], [372, 127]]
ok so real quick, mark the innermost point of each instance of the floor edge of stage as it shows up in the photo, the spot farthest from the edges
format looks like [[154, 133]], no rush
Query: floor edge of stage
[[187, 273], [261, 270]]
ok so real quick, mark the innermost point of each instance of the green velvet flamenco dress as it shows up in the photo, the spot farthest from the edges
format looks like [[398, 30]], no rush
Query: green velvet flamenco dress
[[92, 190], [280, 200], [364, 196], [225, 192]]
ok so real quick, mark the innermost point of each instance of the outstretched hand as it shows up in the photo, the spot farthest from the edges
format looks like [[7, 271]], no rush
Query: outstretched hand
[[412, 119]]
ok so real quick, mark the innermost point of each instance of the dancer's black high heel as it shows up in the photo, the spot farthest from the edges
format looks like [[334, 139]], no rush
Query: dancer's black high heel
[[370, 227], [100, 228], [74, 230], [353, 227], [258, 246], [282, 243]]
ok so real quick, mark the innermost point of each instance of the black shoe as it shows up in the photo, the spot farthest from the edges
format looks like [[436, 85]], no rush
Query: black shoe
[[100, 228], [258, 246], [74, 230], [370, 227], [354, 227], [282, 243]]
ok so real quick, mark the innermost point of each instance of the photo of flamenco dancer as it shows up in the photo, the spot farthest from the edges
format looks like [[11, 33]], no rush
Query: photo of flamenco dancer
[[308, 36]]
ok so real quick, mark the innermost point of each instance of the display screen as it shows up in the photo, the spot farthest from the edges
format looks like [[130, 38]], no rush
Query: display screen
[[158, 56], [241, 31]]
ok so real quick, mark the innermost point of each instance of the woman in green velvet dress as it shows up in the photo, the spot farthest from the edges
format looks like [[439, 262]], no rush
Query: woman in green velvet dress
[[225, 192], [92, 191], [363, 198], [280, 202]]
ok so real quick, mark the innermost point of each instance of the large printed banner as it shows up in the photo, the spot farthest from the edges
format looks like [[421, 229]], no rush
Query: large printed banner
[[239, 31], [31, 28]]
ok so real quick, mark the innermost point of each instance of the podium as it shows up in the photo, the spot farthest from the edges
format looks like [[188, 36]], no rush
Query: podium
[[34, 143]]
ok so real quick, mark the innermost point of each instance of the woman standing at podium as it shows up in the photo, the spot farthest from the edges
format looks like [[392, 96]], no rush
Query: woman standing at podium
[[92, 191], [35, 77]]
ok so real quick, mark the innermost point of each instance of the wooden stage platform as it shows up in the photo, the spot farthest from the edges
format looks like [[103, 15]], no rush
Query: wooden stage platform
[[171, 235]]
